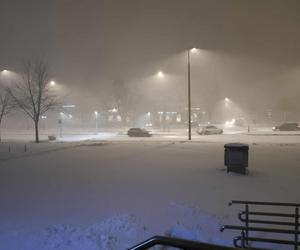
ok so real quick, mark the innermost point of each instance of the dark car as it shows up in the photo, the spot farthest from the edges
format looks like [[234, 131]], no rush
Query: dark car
[[288, 126], [138, 132]]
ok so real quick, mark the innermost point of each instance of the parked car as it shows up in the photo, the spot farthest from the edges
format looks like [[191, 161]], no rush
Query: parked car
[[138, 132], [209, 130], [288, 126]]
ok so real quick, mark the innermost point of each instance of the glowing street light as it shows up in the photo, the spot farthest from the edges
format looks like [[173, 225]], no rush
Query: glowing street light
[[52, 83], [160, 74], [4, 71], [227, 99]]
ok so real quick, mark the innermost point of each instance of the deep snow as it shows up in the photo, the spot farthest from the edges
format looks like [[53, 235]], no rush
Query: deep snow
[[113, 194]]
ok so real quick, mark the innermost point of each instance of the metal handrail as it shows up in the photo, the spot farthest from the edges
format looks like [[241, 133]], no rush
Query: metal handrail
[[177, 243], [244, 239], [276, 241], [263, 203], [270, 214], [258, 229]]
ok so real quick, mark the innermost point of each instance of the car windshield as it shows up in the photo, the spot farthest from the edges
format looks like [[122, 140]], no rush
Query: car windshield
[[211, 127]]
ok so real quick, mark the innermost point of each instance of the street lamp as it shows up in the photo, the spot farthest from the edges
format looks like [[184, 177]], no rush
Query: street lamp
[[96, 119], [52, 83], [160, 74], [189, 93]]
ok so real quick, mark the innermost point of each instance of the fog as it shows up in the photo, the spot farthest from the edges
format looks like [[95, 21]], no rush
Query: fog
[[105, 56]]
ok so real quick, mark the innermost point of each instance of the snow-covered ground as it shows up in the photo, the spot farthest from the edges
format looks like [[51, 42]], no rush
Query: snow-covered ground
[[120, 134], [111, 193]]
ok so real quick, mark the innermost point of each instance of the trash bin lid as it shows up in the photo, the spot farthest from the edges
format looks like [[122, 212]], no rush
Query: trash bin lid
[[236, 145]]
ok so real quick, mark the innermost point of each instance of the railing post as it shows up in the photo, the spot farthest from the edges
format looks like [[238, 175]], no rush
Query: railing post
[[243, 239], [296, 227], [247, 222]]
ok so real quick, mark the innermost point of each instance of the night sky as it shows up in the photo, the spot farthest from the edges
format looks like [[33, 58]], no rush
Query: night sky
[[251, 46]]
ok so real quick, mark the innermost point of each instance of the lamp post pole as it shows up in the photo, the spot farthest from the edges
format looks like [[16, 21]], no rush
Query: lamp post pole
[[189, 98], [96, 118]]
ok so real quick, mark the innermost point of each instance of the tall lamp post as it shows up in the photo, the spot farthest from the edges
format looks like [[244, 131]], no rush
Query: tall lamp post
[[189, 94]]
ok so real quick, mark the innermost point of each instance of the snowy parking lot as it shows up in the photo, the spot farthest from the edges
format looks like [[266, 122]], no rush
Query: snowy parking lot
[[112, 194]]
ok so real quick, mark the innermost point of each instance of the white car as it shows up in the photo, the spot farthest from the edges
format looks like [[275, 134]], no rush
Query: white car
[[209, 130]]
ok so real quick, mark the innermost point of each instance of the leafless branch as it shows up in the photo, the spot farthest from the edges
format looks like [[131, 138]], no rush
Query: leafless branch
[[33, 94]]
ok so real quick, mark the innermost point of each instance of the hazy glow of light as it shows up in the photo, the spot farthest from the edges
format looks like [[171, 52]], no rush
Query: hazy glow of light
[[230, 124], [70, 116], [160, 74], [114, 110], [227, 99], [193, 50], [96, 113], [5, 71], [52, 83], [69, 106]]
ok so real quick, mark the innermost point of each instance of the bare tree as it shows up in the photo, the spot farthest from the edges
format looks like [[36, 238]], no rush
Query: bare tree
[[5, 105], [121, 98], [33, 93]]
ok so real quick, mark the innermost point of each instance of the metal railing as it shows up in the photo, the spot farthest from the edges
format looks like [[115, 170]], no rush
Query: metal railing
[[285, 224], [177, 243]]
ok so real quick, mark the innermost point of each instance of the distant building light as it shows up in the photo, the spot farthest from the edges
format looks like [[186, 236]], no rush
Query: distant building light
[[193, 108], [69, 106], [114, 110], [44, 117]]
